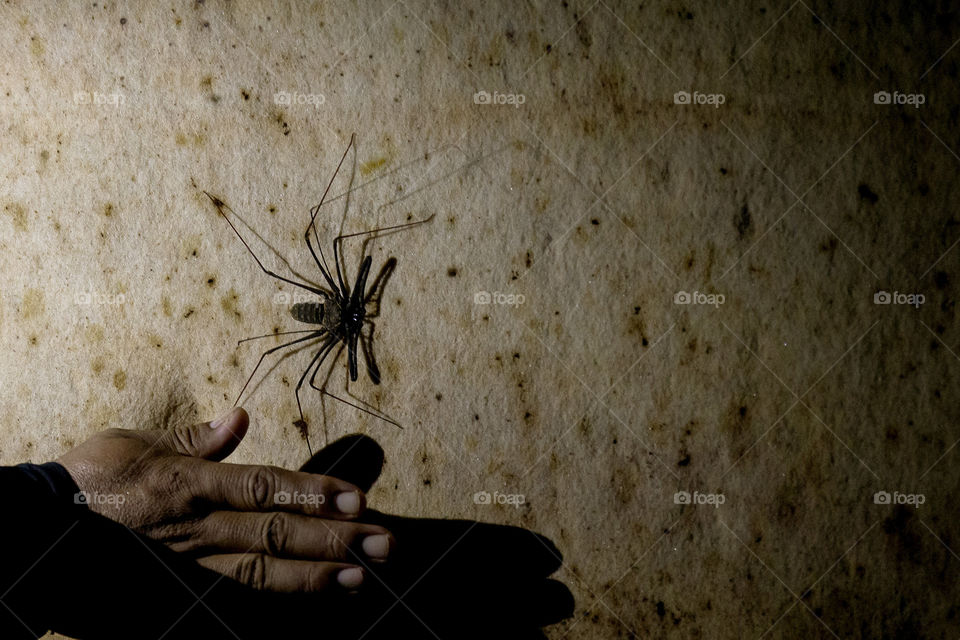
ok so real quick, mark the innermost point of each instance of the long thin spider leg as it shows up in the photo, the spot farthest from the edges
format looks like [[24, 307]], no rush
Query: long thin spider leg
[[313, 216], [315, 334], [279, 333], [321, 261], [322, 389], [320, 355], [221, 205], [339, 239]]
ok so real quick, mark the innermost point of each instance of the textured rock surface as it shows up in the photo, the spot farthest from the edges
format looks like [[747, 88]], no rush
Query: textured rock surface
[[597, 200]]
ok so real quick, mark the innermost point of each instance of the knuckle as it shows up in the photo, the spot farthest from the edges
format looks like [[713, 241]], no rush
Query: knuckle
[[184, 440], [276, 533], [261, 485], [251, 570], [336, 545]]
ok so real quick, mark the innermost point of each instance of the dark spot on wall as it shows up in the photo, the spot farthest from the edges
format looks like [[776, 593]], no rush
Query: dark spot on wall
[[743, 412], [17, 214], [120, 379], [742, 221], [941, 279], [644, 342], [244, 94], [923, 188], [904, 534], [595, 222], [123, 21], [229, 305], [188, 312], [476, 416], [452, 272], [661, 609], [439, 397], [212, 281], [207, 84], [867, 194], [272, 209], [684, 461], [33, 340], [280, 120]]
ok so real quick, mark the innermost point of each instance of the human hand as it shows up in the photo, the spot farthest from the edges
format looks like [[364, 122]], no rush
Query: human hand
[[266, 527]]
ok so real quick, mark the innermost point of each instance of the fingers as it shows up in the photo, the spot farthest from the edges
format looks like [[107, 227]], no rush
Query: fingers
[[289, 535], [266, 573], [240, 487], [211, 440]]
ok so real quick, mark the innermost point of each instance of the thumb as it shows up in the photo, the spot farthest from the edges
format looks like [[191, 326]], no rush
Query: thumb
[[212, 440]]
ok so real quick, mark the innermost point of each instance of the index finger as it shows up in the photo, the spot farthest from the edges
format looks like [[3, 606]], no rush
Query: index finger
[[242, 487]]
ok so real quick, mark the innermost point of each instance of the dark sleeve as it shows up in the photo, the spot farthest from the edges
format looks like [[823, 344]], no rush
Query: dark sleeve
[[66, 569]]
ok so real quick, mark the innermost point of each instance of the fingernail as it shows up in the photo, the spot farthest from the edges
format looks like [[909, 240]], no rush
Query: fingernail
[[348, 502], [377, 546], [350, 578], [222, 420]]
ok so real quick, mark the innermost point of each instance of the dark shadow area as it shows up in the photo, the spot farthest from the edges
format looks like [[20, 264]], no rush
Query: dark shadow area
[[448, 578]]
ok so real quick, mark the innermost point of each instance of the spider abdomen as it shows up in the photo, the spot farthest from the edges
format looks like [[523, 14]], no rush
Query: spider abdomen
[[311, 312]]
